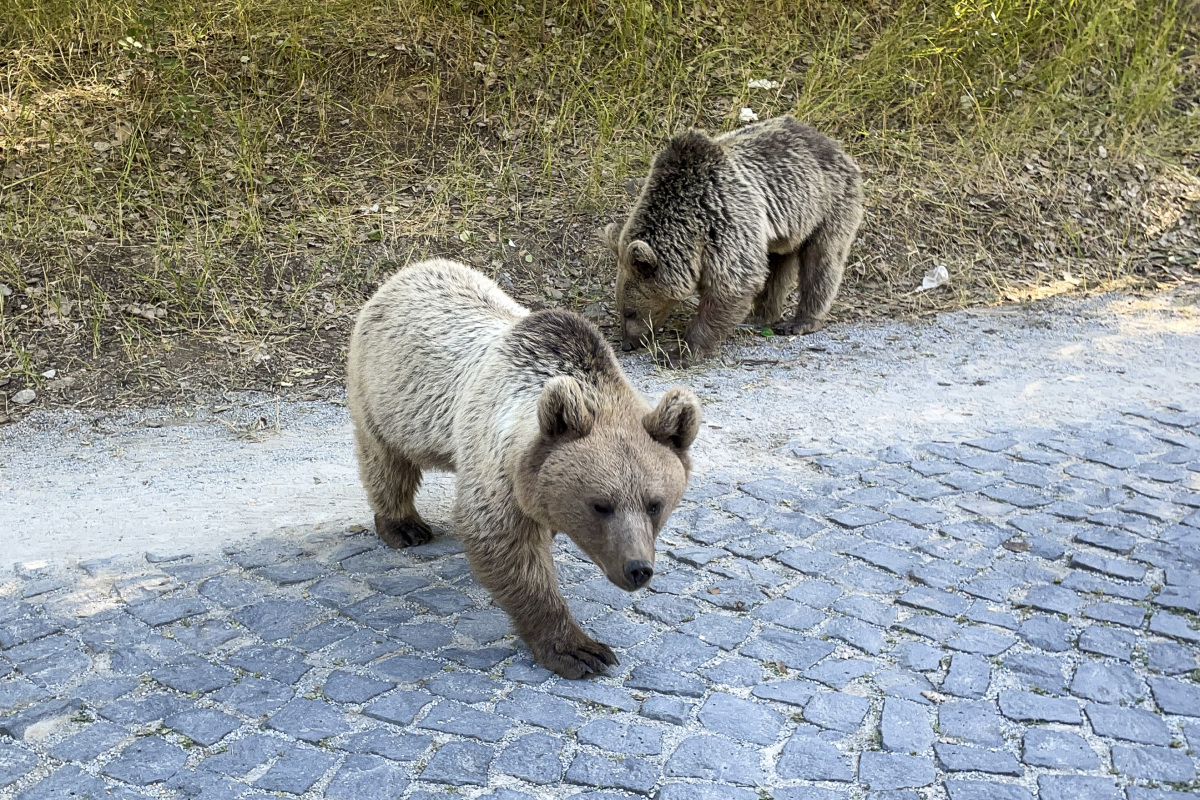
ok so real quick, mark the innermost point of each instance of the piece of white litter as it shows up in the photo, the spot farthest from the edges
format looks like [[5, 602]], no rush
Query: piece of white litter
[[762, 83], [747, 115], [934, 278]]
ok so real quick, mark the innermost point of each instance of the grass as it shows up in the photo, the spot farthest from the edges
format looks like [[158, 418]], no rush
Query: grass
[[224, 182]]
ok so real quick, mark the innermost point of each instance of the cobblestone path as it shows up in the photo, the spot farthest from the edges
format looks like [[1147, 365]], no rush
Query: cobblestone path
[[995, 619]]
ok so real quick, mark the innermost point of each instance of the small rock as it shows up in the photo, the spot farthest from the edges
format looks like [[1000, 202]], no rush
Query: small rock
[[24, 397]]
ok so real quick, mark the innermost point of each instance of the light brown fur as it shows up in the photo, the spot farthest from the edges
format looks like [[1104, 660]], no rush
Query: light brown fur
[[543, 429]]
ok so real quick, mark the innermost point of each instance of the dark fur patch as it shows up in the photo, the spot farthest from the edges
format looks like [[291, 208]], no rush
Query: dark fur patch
[[558, 342]]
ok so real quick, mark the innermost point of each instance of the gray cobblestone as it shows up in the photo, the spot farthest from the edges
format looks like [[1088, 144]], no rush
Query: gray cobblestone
[[968, 676], [1107, 641], [460, 764], [308, 720], [1128, 724], [1021, 706], [741, 719], [986, 790], [1153, 763], [630, 774], [534, 757], [1076, 787], [973, 722], [526, 705], [296, 770], [1107, 683], [964, 758], [449, 716], [1058, 750], [148, 760], [905, 726], [367, 776], [894, 771], [836, 710], [814, 760]]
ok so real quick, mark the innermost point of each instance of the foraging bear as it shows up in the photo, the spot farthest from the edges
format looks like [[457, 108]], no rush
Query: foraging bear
[[738, 219], [542, 427]]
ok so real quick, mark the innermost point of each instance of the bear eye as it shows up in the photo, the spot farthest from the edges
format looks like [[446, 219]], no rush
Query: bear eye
[[654, 509], [630, 315], [603, 509]]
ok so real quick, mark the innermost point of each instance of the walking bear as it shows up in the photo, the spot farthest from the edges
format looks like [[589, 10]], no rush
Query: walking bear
[[545, 432], [738, 219]]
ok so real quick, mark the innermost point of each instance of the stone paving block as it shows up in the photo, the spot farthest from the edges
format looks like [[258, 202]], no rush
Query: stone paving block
[[296, 770], [1040, 672], [836, 710], [142, 710], [839, 672], [867, 609], [815, 760], [895, 771], [972, 722], [985, 790], [1090, 582], [363, 776], [629, 774], [1107, 683], [1153, 763], [1048, 633], [1165, 623], [1021, 706], [1117, 613], [281, 664], [90, 743], [398, 708], [666, 709], [464, 686], [205, 726], [964, 758], [815, 593], [707, 791], [147, 760], [449, 716], [794, 650], [659, 679], [1182, 598], [15, 763], [168, 610], [322, 635], [1128, 724], [255, 697], [347, 687], [968, 676], [668, 609], [407, 669], [788, 614], [735, 671], [460, 764], [918, 656], [940, 602], [1058, 750], [15, 725], [1076, 787], [1054, 599], [595, 693], [20, 692], [389, 744], [1114, 567], [905, 726], [535, 757], [616, 737], [1175, 696], [308, 720], [741, 719], [527, 705], [277, 619], [980, 640], [292, 572], [675, 650], [1107, 641], [1170, 658], [1139, 793], [66, 782], [857, 633]]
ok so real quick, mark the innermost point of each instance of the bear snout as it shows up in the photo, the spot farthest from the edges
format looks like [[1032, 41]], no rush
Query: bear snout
[[638, 573], [626, 345]]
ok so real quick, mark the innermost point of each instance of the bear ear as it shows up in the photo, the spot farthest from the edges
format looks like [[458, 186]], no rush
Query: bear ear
[[676, 420], [562, 409], [611, 236], [643, 258]]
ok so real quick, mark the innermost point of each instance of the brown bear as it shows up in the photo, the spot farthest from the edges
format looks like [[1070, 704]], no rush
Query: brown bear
[[738, 219], [544, 431]]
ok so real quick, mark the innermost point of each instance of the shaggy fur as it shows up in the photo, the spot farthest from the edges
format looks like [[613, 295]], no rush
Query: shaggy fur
[[543, 429], [739, 219]]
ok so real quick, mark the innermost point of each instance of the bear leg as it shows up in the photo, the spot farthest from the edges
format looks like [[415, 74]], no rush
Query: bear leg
[[781, 279], [511, 557], [391, 481], [714, 321], [822, 260]]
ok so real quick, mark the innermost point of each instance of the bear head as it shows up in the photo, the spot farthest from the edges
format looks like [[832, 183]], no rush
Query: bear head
[[608, 474]]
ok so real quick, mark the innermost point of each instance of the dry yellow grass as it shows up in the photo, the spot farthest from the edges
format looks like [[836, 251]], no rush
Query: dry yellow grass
[[227, 180]]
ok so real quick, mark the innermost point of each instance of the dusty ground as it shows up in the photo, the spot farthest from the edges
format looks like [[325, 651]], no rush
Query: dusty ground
[[192, 478]]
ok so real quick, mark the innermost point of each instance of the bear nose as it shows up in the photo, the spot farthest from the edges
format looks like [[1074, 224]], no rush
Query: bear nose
[[638, 573], [626, 346]]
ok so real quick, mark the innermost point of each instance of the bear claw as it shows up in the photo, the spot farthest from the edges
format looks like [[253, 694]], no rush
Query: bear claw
[[401, 534], [578, 658]]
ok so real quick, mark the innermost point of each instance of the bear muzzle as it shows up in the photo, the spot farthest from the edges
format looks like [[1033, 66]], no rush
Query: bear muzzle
[[638, 573]]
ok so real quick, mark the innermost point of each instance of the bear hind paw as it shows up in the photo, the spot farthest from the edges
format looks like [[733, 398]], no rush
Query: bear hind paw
[[797, 327], [399, 534]]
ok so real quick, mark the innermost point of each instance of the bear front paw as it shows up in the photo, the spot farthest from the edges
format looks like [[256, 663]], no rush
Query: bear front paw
[[398, 535], [576, 656]]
